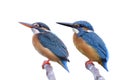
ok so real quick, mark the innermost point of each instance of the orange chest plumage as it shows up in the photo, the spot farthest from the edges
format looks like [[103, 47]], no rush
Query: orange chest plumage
[[42, 50], [85, 48]]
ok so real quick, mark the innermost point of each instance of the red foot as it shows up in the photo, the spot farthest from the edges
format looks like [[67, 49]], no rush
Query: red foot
[[89, 62], [45, 62]]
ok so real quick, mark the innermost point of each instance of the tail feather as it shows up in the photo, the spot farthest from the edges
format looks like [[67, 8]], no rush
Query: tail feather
[[104, 64], [64, 64]]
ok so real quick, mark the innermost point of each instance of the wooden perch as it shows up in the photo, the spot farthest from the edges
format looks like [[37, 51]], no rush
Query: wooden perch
[[90, 66], [49, 70], [95, 71]]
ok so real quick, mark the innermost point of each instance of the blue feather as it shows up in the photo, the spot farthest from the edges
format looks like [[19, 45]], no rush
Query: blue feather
[[104, 65], [53, 43], [64, 64], [97, 43], [85, 24]]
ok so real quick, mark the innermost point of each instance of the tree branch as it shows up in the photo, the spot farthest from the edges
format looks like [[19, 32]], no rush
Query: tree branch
[[94, 71], [49, 70]]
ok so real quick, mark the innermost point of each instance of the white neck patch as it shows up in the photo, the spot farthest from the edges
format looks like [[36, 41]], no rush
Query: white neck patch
[[35, 31], [89, 31], [75, 30]]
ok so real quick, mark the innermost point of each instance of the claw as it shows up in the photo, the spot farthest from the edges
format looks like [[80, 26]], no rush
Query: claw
[[45, 62], [89, 62]]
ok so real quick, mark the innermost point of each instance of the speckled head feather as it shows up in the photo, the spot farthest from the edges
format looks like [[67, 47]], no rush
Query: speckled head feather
[[85, 24], [41, 25]]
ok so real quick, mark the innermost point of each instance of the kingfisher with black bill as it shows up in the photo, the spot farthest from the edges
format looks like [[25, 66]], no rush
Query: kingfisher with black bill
[[88, 42]]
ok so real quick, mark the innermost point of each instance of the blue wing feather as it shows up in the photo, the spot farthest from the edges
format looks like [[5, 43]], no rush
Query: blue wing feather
[[97, 43], [53, 43]]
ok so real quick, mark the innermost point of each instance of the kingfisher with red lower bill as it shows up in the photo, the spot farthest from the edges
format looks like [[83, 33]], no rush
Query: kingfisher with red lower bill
[[48, 44], [88, 42]]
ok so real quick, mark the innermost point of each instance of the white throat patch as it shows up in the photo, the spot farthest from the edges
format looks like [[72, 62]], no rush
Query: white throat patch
[[35, 31], [75, 30]]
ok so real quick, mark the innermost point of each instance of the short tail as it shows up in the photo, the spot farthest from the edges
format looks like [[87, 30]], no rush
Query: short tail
[[64, 64], [104, 64]]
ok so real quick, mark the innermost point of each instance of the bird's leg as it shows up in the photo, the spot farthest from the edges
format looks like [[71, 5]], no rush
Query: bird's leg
[[91, 67], [88, 62], [45, 62], [49, 70]]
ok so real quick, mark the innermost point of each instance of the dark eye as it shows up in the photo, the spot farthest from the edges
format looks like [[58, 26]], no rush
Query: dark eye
[[36, 25], [76, 25], [81, 25]]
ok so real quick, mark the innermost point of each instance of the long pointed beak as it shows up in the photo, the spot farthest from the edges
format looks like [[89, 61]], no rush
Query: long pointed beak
[[26, 24], [65, 24]]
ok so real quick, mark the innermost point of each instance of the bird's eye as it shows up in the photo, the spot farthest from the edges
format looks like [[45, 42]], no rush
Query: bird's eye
[[81, 25], [76, 25], [36, 25]]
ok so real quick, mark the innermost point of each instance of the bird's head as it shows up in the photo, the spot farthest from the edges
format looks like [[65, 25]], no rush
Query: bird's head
[[78, 25], [39, 26]]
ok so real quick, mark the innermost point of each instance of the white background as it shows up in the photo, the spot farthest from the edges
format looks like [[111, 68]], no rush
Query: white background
[[20, 61]]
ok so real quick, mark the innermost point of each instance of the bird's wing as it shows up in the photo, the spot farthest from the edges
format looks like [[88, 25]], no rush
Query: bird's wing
[[96, 42], [53, 43]]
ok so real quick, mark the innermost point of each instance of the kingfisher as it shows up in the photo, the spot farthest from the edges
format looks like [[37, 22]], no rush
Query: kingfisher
[[88, 42], [48, 44]]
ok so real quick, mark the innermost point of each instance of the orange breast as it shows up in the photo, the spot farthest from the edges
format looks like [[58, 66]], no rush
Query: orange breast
[[85, 49], [42, 50]]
